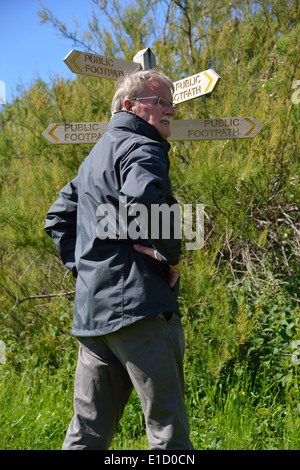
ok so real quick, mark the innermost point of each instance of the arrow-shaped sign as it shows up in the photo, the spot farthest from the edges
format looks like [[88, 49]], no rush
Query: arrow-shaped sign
[[75, 133], [195, 85], [99, 66], [218, 128], [195, 129], [95, 65]]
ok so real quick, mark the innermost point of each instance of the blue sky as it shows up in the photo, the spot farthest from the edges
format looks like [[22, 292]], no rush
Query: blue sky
[[27, 49]]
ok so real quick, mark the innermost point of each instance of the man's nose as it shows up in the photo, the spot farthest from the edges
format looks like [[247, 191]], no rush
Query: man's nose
[[170, 110]]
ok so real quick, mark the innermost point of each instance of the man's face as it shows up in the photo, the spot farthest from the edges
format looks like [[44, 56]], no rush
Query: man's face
[[148, 109]]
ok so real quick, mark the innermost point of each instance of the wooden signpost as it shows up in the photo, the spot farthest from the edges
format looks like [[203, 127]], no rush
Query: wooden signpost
[[75, 133], [94, 65], [220, 128], [195, 86], [194, 129], [185, 89], [85, 63]]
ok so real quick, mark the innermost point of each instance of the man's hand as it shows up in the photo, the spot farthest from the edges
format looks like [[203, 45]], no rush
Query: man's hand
[[174, 274], [174, 270]]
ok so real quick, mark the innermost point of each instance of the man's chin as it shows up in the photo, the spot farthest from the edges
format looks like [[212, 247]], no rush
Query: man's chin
[[165, 131]]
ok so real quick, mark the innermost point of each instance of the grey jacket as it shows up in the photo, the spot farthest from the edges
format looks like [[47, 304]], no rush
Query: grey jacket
[[115, 284]]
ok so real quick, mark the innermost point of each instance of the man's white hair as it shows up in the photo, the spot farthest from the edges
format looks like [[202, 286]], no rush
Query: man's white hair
[[132, 86]]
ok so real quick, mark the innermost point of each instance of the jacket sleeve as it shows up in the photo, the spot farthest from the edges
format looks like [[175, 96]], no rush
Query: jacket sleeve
[[61, 224], [145, 180]]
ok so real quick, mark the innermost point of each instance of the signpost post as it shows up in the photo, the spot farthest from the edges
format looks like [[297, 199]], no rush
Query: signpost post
[[146, 58]]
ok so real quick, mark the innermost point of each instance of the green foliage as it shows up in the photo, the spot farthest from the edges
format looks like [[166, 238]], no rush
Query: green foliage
[[240, 292], [36, 408]]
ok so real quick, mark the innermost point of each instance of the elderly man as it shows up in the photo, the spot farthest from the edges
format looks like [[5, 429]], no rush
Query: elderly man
[[126, 315]]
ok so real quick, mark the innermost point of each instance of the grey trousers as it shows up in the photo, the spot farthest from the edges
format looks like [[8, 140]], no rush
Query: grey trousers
[[148, 356]]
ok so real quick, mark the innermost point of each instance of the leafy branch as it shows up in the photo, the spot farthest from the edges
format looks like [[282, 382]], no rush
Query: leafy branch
[[32, 297]]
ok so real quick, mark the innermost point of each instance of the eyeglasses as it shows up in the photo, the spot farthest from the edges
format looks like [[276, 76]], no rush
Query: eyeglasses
[[159, 101]]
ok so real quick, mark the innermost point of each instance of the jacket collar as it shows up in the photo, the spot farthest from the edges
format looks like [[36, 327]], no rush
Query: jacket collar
[[131, 122]]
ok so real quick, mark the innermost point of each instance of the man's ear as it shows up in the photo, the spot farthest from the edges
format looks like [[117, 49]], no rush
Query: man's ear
[[127, 104]]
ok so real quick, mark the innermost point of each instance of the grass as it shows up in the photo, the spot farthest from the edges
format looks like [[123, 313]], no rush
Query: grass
[[36, 408], [237, 423]]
